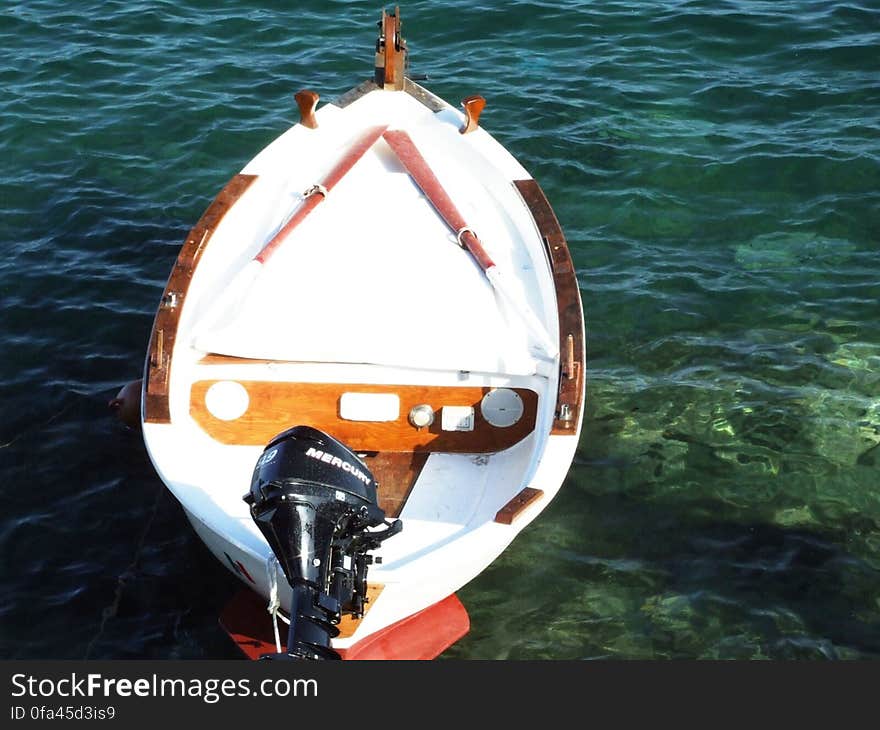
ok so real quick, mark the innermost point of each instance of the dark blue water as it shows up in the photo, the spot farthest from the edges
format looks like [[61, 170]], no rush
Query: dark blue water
[[716, 168]]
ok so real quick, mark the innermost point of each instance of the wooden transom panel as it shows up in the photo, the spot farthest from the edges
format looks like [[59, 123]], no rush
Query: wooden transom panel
[[276, 406]]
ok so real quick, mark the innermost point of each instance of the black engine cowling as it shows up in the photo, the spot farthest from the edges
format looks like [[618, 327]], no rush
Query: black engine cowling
[[315, 502]]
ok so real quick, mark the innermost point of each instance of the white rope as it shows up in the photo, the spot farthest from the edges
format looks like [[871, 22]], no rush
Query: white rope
[[112, 610], [274, 603]]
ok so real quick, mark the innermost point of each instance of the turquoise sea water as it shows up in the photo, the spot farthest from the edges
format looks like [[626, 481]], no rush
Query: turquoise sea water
[[716, 168]]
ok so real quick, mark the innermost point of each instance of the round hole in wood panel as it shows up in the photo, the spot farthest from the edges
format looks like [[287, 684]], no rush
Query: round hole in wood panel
[[227, 400], [502, 407]]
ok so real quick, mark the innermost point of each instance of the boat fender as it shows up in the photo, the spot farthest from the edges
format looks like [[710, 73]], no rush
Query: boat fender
[[127, 404]]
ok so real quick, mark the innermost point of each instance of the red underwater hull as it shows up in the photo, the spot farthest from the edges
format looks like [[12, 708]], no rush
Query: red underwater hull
[[421, 636]]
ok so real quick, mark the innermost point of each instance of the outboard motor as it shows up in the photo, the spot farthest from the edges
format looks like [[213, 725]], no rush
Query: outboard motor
[[315, 501]]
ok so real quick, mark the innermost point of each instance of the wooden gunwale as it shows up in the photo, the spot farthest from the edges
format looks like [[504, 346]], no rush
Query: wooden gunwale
[[157, 368], [570, 309]]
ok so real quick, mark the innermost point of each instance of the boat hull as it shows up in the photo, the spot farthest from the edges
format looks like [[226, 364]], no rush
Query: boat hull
[[387, 272]]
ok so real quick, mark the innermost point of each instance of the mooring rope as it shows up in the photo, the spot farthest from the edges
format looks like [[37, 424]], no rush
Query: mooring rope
[[110, 611], [274, 602], [38, 427]]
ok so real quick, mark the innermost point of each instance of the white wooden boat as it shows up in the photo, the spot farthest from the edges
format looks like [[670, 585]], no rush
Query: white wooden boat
[[385, 273]]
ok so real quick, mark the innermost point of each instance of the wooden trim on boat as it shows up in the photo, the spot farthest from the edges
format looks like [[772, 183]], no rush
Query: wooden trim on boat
[[274, 406], [307, 101], [395, 474], [473, 106], [393, 56], [571, 319], [395, 51], [213, 358], [510, 511], [157, 368], [348, 624]]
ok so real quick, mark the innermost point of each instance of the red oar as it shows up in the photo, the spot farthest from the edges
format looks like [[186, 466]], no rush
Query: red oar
[[420, 171], [318, 191], [417, 166], [238, 288]]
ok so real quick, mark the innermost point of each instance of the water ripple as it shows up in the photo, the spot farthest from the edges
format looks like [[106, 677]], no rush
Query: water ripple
[[716, 168]]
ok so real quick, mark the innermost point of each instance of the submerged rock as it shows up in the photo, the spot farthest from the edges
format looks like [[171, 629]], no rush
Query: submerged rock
[[790, 250]]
